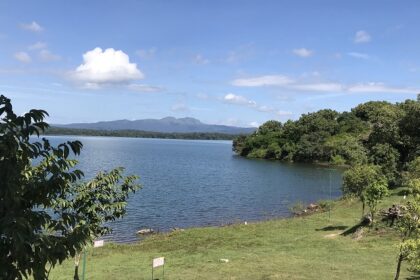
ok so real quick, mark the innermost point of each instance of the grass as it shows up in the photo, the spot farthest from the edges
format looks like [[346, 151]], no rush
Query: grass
[[309, 247]]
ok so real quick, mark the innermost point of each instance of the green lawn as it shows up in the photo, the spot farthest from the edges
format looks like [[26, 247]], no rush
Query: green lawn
[[300, 248]]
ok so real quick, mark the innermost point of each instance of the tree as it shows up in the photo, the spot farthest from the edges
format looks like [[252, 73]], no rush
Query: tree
[[358, 178], [409, 227], [373, 194], [46, 213], [387, 157]]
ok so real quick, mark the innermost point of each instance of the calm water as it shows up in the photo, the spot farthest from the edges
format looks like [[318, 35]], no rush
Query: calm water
[[188, 183]]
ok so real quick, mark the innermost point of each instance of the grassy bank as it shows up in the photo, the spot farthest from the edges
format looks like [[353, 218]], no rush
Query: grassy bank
[[309, 247]]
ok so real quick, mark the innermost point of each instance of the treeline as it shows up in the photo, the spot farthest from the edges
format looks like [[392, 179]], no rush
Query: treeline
[[376, 132], [139, 134]]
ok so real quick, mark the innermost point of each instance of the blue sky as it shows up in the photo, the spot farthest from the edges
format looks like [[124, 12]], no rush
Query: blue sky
[[223, 62]]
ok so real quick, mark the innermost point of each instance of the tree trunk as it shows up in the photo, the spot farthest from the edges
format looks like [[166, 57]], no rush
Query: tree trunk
[[76, 267], [363, 208], [397, 274], [76, 272]]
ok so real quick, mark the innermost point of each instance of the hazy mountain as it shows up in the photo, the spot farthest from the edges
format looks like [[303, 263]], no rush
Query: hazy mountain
[[168, 124]]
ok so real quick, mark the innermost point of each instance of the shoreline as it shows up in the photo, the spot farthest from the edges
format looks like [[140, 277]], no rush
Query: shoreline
[[287, 248]]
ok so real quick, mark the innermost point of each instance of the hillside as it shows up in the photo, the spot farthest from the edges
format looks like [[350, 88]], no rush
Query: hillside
[[165, 125]]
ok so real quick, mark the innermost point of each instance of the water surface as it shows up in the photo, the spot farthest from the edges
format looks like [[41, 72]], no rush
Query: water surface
[[189, 183]]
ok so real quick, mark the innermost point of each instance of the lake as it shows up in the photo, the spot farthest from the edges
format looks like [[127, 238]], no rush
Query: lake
[[190, 183]]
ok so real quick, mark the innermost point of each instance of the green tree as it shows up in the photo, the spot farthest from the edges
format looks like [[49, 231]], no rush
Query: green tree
[[358, 178], [409, 227], [46, 213], [346, 147], [373, 194], [387, 157]]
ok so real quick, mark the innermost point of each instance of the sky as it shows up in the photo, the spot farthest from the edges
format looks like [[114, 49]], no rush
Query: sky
[[232, 62]]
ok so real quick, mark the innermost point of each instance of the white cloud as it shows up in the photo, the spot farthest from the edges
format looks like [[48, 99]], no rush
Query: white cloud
[[358, 55], [283, 113], [362, 36], [243, 101], [323, 87], [239, 100], [254, 124], [46, 55], [373, 87], [265, 108], [146, 53], [268, 80], [33, 26], [200, 59], [23, 57], [145, 88], [37, 46], [302, 52], [106, 67]]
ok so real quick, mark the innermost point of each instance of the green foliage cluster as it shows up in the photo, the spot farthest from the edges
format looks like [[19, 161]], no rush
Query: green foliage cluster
[[47, 213], [376, 132], [53, 130]]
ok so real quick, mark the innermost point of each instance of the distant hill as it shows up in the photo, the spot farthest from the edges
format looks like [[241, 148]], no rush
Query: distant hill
[[166, 125]]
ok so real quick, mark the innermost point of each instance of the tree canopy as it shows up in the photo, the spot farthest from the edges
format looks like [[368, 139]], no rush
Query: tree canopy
[[47, 213], [375, 132]]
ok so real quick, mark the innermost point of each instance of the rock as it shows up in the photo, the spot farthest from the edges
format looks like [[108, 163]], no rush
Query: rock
[[313, 206], [358, 234], [224, 260], [176, 229], [145, 231]]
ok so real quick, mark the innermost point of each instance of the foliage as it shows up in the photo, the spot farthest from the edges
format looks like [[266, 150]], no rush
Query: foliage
[[46, 213], [357, 179], [374, 193], [375, 132], [409, 227], [140, 134]]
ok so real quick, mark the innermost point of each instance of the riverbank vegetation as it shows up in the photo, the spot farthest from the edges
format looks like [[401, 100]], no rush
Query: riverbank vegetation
[[139, 134], [375, 132], [378, 141], [305, 247]]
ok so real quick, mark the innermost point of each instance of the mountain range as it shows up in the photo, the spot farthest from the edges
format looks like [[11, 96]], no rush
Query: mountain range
[[168, 125]]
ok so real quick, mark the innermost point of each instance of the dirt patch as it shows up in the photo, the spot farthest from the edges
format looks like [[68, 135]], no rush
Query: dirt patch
[[332, 235]]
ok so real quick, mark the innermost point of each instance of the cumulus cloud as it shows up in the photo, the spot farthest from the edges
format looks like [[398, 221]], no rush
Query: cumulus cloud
[[23, 57], [268, 80], [46, 55], [105, 67], [362, 36], [358, 55], [239, 100], [303, 52], [33, 26], [37, 46]]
